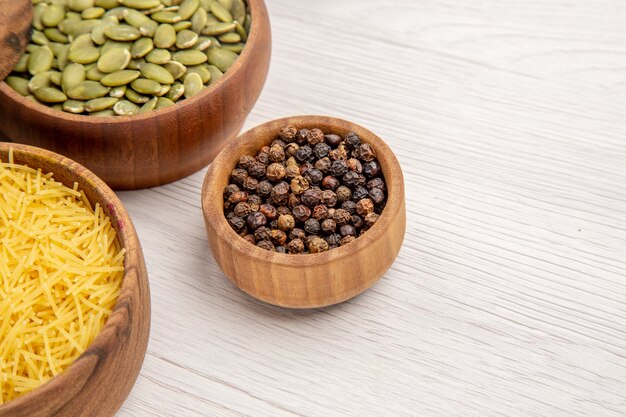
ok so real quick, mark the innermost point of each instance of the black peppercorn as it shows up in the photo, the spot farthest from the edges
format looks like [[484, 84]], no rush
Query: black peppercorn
[[255, 220], [238, 175], [323, 164], [287, 133], [276, 153], [312, 226], [377, 195], [283, 210], [311, 197], [371, 169], [280, 193], [338, 168], [320, 212], [304, 154], [297, 233], [245, 161], [301, 136], [238, 197], [342, 216], [347, 239], [314, 136], [301, 213], [267, 245], [294, 200], [349, 206], [291, 149], [255, 200], [332, 139], [347, 230], [250, 239], [352, 140], [339, 154], [273, 224], [257, 169], [330, 182], [370, 219], [365, 206], [317, 245], [281, 249], [365, 152], [237, 223], [292, 171], [278, 237], [229, 189], [350, 178], [354, 165], [334, 239], [299, 185], [343, 194], [359, 193], [295, 246], [321, 150], [357, 221], [286, 222], [263, 157], [314, 175], [305, 167], [250, 183], [329, 198], [269, 211], [376, 183], [242, 209], [275, 172], [262, 233], [329, 226], [264, 188]]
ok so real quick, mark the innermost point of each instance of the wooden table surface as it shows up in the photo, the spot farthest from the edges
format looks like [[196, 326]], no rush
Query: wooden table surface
[[509, 295]]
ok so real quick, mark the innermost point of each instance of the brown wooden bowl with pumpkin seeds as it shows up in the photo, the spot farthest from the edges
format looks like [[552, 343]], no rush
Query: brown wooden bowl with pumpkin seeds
[[156, 147]]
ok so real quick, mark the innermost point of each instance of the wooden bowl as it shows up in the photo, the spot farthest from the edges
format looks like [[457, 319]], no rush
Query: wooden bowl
[[99, 381], [309, 280], [130, 152]]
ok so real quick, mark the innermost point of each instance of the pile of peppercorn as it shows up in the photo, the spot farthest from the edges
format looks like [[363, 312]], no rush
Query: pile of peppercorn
[[305, 193]]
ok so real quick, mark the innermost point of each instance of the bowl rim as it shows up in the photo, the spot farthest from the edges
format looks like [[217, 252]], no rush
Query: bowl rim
[[127, 237], [255, 7], [212, 197]]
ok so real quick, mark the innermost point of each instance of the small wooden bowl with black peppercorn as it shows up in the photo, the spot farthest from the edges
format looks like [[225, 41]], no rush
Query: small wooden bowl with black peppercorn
[[321, 274]]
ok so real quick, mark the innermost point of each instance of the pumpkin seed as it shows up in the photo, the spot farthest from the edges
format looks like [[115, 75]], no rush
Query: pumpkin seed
[[186, 39], [149, 28], [202, 71], [221, 12], [216, 74], [32, 47], [227, 4], [80, 5], [52, 15], [39, 38], [202, 44], [183, 25], [55, 78], [135, 18], [188, 8], [106, 4], [176, 92], [118, 92], [221, 58], [114, 60], [97, 34], [159, 56], [156, 73], [176, 69], [82, 50], [77, 28], [140, 4], [135, 64], [234, 47], [122, 33], [154, 9], [193, 85], [145, 86], [99, 104], [74, 106], [40, 60], [135, 97], [93, 13], [103, 113], [190, 57], [62, 57], [206, 4], [55, 35], [37, 14], [238, 10], [163, 102], [164, 90], [87, 90], [108, 45], [119, 78], [117, 13], [19, 84], [230, 37], [166, 17], [241, 31], [164, 36], [141, 47], [22, 64], [50, 95], [149, 106], [94, 74], [125, 108], [199, 20], [57, 106], [247, 23], [218, 28]]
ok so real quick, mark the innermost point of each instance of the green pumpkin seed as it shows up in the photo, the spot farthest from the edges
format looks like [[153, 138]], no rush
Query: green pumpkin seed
[[176, 92], [74, 106], [99, 104], [164, 36], [118, 13], [19, 84], [159, 56], [163, 102], [230, 37], [88, 90], [58, 107], [164, 90], [135, 97], [55, 35], [52, 15], [94, 74], [144, 86], [50, 95], [141, 47], [63, 57], [108, 45], [211, 20], [186, 39], [125, 108], [80, 5], [93, 13], [221, 12], [149, 28], [37, 14], [184, 25], [118, 92], [40, 60], [119, 78], [135, 64], [106, 4], [22, 64], [149, 106], [193, 85], [103, 113], [156, 73], [247, 23], [216, 74], [166, 17], [114, 60], [221, 58], [31, 48], [238, 10], [218, 28], [97, 34], [122, 33], [140, 4], [202, 44], [82, 50], [241, 31], [79, 28], [188, 8], [176, 69], [135, 18], [227, 4], [199, 20], [234, 47], [190, 57], [154, 9], [201, 70], [55, 78], [39, 38], [32, 98], [206, 4]]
